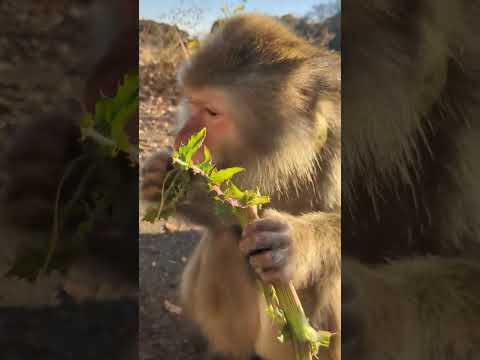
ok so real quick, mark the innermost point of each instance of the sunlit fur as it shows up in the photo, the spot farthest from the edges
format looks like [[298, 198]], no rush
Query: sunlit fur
[[275, 80], [285, 96]]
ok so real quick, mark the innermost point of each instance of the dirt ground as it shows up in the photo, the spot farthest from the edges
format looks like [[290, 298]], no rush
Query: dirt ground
[[164, 334], [164, 250]]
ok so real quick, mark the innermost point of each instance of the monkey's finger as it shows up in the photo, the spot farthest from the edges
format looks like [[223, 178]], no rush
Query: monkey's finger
[[270, 260], [262, 241], [276, 275], [266, 224]]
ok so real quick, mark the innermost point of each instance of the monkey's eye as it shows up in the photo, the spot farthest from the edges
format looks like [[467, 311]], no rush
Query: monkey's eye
[[211, 112]]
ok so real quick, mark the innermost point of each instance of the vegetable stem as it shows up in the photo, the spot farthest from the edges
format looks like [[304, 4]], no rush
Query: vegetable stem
[[288, 300], [102, 140]]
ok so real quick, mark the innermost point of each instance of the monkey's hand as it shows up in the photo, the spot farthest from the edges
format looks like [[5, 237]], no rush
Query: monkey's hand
[[153, 174], [304, 249], [267, 243]]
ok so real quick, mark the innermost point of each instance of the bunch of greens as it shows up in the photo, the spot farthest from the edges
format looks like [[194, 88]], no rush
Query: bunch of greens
[[284, 306], [103, 144], [106, 127]]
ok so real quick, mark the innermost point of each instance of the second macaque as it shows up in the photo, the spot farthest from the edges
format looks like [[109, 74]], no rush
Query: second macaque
[[271, 104]]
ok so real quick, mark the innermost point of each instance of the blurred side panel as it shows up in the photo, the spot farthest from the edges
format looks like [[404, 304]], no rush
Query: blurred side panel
[[69, 179], [411, 179]]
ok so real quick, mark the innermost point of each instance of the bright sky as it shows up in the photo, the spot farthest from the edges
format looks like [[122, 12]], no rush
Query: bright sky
[[209, 10]]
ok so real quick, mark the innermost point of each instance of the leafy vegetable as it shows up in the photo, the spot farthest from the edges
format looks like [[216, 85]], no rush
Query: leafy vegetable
[[107, 126], [103, 139]]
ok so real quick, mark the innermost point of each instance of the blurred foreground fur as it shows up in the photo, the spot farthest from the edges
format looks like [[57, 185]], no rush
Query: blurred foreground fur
[[411, 179]]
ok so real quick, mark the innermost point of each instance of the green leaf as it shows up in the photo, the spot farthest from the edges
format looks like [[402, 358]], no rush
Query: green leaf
[[87, 121], [119, 122], [151, 214], [101, 111], [186, 152], [207, 156], [206, 165], [128, 91], [218, 177], [258, 200], [253, 198], [232, 191]]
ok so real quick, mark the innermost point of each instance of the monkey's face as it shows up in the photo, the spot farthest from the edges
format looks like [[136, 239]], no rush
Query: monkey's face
[[208, 108]]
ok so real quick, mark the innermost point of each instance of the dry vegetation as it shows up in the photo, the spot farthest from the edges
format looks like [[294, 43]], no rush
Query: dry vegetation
[[160, 53]]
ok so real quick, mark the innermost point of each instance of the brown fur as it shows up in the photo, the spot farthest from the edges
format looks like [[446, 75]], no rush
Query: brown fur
[[281, 86], [410, 165]]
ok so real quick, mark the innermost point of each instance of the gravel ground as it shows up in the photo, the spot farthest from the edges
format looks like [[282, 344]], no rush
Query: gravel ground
[[164, 333]]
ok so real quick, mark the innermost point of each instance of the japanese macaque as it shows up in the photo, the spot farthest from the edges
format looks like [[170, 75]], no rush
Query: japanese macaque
[[271, 104], [410, 170]]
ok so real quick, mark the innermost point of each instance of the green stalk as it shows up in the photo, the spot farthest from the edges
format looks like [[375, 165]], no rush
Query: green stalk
[[288, 300]]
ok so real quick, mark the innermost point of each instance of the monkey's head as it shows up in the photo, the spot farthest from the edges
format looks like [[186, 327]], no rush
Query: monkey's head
[[259, 89]]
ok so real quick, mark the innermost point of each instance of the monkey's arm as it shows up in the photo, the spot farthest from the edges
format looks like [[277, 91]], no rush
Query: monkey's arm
[[302, 249], [306, 249], [411, 302], [219, 294]]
